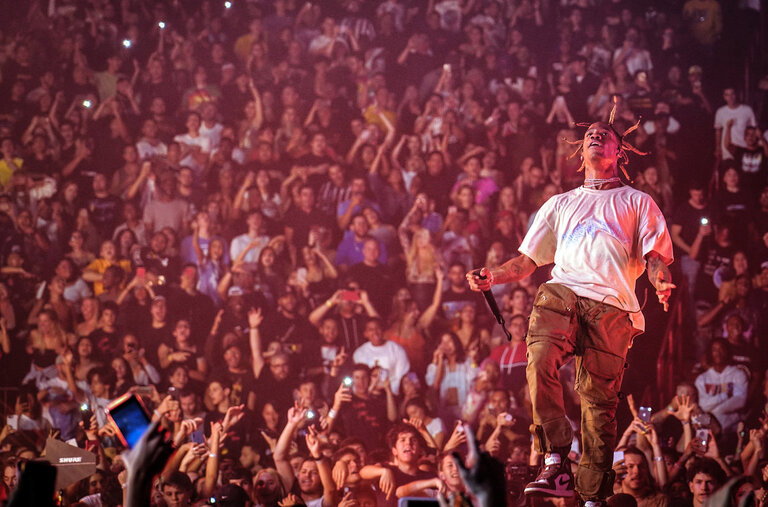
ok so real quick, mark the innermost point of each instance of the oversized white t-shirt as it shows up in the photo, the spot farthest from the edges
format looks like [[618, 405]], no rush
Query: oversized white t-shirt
[[598, 240], [743, 117]]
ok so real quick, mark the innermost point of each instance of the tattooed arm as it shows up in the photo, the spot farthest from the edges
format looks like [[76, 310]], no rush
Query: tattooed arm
[[513, 270], [660, 277]]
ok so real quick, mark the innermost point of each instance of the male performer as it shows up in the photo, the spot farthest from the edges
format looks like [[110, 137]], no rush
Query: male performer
[[600, 236]]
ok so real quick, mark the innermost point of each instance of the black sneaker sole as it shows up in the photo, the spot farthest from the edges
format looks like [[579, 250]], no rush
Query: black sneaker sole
[[543, 491]]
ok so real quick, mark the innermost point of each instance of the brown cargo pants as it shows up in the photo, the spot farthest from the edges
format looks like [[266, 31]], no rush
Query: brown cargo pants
[[562, 325]]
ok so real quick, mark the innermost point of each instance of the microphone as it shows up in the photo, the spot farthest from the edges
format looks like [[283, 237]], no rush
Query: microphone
[[493, 306]]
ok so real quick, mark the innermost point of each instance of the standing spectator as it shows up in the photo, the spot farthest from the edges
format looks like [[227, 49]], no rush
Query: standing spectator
[[166, 210], [387, 355], [723, 387], [742, 116]]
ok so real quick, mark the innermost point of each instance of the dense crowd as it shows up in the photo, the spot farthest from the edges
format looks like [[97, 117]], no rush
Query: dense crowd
[[258, 216]]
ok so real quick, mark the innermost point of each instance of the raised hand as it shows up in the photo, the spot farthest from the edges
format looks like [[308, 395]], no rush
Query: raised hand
[[296, 414], [313, 442], [483, 475], [684, 408], [255, 318], [233, 416]]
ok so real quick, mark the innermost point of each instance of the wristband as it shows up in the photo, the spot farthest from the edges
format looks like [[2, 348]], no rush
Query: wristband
[[332, 414], [158, 414], [328, 303], [658, 458], [686, 422], [213, 455]]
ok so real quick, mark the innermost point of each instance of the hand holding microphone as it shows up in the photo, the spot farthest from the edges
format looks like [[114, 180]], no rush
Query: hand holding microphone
[[480, 280]]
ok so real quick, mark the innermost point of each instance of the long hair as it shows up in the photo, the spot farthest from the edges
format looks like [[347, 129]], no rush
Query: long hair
[[415, 258]]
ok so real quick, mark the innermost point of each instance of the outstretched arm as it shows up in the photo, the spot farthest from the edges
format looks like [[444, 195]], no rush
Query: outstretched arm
[[660, 277], [513, 270]]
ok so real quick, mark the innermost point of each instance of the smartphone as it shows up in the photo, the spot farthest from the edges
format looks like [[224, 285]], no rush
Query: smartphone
[[130, 417], [704, 221], [85, 414], [87, 104], [702, 435], [645, 414], [310, 416], [141, 273], [383, 374], [173, 393], [347, 381], [459, 426], [618, 456], [350, 295]]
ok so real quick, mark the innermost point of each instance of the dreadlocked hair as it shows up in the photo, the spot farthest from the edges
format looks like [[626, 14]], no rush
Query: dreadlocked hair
[[624, 146]]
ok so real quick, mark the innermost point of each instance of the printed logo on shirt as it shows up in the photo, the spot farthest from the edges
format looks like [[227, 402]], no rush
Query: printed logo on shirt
[[590, 228], [716, 389]]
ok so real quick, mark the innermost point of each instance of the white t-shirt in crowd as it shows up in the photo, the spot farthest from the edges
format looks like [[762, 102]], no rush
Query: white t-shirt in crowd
[[598, 240], [723, 394], [147, 149], [743, 117], [390, 355], [203, 142], [213, 134]]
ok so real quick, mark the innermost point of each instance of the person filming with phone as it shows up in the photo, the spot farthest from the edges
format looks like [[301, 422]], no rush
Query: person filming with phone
[[601, 237]]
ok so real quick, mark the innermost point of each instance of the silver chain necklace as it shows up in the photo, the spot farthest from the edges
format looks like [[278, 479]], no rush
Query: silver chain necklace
[[596, 182]]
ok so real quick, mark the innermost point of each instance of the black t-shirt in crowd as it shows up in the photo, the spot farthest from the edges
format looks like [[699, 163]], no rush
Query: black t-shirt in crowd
[[712, 257], [365, 419], [401, 478], [689, 219]]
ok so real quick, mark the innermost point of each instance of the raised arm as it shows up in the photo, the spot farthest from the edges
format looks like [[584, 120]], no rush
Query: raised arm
[[254, 321], [283, 466], [426, 318]]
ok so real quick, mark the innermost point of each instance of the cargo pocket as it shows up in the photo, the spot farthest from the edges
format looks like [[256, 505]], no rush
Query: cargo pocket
[[599, 374], [553, 316]]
